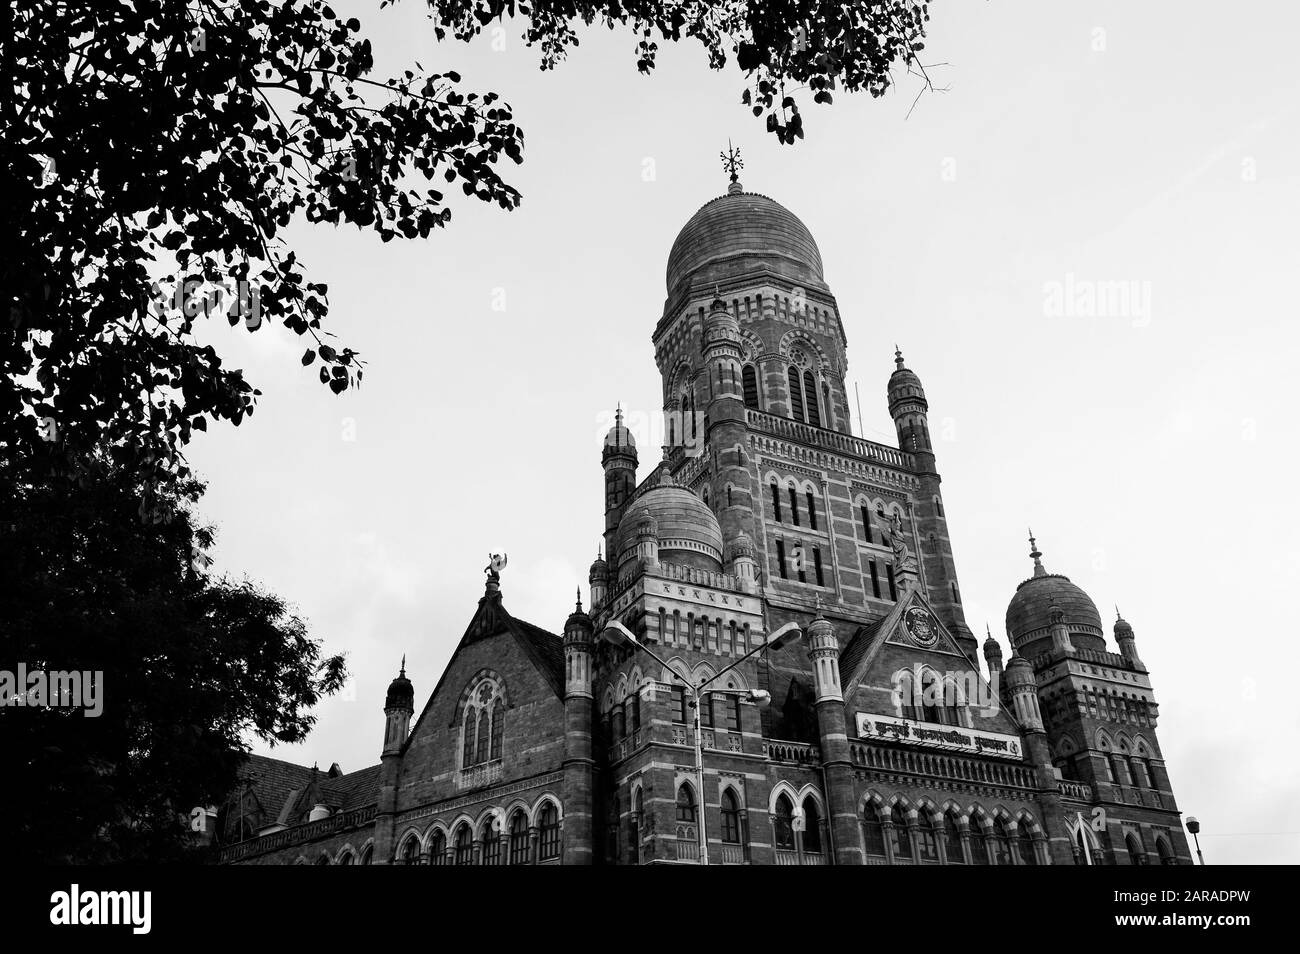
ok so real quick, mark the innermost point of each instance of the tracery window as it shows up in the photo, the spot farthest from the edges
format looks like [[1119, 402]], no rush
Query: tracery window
[[483, 723], [926, 837], [952, 841], [685, 804], [1026, 844], [1001, 843], [979, 848], [438, 848]]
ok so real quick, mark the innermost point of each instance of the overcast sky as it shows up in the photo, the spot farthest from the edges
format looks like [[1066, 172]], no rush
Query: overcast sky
[[1152, 452]]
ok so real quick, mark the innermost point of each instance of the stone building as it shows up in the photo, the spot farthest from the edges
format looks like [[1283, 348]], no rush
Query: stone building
[[868, 733]]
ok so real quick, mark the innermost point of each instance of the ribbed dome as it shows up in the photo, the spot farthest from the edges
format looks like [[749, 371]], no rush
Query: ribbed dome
[[736, 231], [1029, 614], [688, 531]]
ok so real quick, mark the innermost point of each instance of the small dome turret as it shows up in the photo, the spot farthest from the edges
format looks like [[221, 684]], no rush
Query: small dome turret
[[401, 694]]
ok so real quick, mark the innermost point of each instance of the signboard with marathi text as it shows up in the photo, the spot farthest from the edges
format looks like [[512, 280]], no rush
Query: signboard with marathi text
[[951, 738]]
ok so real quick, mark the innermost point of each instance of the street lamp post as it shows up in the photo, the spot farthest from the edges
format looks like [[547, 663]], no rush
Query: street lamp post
[[618, 634], [1195, 828]]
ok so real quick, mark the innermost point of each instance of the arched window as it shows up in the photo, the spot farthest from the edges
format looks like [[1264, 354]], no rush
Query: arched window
[[979, 848], [812, 832], [1026, 843], [491, 854], [1136, 855], [483, 725], [866, 523], [368, 856], [471, 730], [931, 697], [438, 848], [730, 818], [952, 841], [812, 509], [411, 851], [906, 689], [1001, 843], [873, 834], [685, 805], [1151, 775], [783, 823], [796, 395], [519, 838], [1167, 856], [810, 399], [749, 377], [464, 845], [826, 404], [927, 838], [902, 837], [776, 502], [498, 726], [794, 506], [548, 825], [638, 806], [347, 858], [634, 711]]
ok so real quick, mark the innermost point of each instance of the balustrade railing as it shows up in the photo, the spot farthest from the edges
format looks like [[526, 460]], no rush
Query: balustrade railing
[[952, 767]]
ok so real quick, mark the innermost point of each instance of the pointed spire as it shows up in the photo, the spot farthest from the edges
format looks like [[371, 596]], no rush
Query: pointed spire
[[402, 672], [898, 357], [1118, 617], [577, 608], [1039, 569]]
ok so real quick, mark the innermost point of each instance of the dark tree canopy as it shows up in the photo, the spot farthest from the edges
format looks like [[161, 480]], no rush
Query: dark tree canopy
[[192, 667], [154, 151]]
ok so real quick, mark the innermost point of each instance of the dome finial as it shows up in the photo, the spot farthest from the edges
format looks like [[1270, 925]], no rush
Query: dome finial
[[898, 357], [1118, 617], [577, 608], [1039, 569], [402, 672], [732, 164]]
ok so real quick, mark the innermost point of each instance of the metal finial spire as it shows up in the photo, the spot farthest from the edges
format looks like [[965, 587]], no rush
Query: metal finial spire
[[898, 356], [578, 605], [403, 670], [731, 161], [1118, 617], [1036, 555]]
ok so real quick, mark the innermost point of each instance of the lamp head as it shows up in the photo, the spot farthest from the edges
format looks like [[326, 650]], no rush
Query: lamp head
[[787, 634], [1192, 824]]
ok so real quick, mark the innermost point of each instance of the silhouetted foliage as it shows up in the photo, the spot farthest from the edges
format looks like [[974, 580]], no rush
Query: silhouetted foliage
[[154, 151], [192, 667]]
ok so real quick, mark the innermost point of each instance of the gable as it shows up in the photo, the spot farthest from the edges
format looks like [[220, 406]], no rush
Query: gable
[[910, 647]]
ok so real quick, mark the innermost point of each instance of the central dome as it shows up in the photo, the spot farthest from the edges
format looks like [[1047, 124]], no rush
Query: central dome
[[736, 231], [687, 531]]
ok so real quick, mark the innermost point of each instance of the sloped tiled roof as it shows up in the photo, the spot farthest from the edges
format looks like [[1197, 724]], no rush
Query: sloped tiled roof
[[857, 647]]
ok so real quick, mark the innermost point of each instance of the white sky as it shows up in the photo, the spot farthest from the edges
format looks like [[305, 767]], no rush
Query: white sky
[[1153, 457]]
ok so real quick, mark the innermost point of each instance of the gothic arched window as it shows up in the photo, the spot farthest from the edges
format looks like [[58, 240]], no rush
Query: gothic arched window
[[796, 395], [812, 833], [952, 841], [812, 509], [1167, 856], [638, 807], [730, 818], [749, 379], [927, 838], [483, 723], [783, 823], [464, 845], [491, 846], [548, 824], [519, 838], [902, 837], [979, 848], [685, 804], [776, 501], [438, 848], [1136, 855], [1001, 843], [873, 834], [368, 856], [411, 851], [931, 697], [810, 399], [1025, 842]]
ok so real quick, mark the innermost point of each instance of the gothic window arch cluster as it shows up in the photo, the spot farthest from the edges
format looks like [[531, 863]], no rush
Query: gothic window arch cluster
[[935, 698], [483, 721], [900, 832], [517, 835]]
